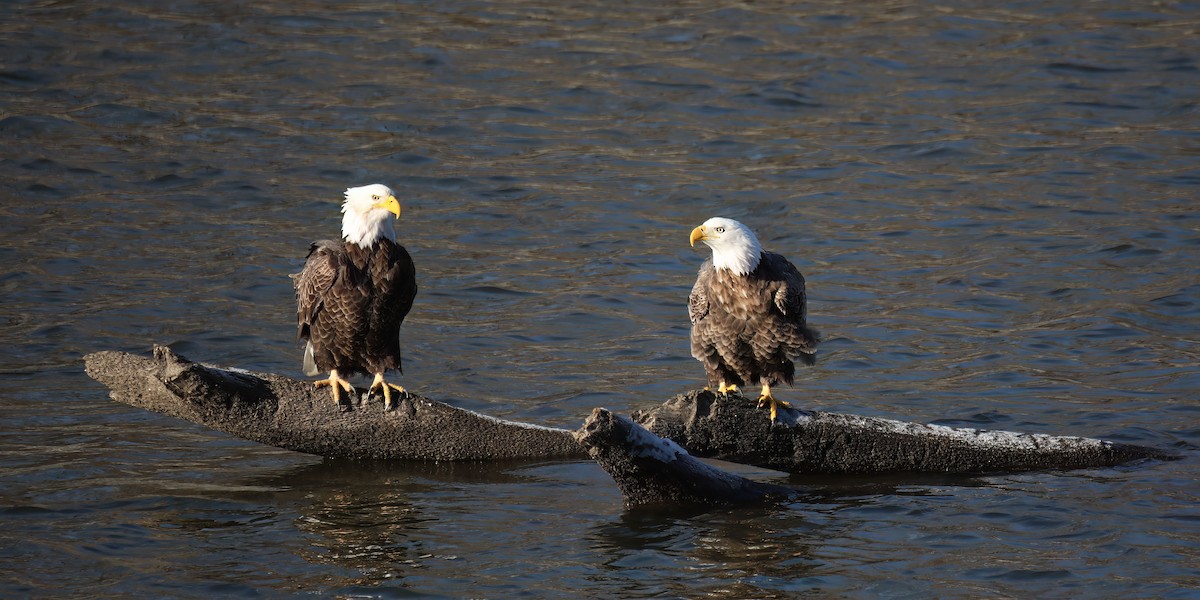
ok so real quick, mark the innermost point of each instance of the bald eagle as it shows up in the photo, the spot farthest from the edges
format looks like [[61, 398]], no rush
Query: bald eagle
[[748, 311], [353, 294]]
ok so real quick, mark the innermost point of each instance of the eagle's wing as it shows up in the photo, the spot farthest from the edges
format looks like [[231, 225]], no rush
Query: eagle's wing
[[790, 298], [313, 282], [395, 287], [698, 300], [792, 301], [404, 274]]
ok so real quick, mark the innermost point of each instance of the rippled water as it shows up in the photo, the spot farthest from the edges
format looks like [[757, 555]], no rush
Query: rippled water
[[995, 206]]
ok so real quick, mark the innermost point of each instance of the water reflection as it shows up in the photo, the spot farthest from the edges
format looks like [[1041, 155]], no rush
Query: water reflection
[[384, 520], [364, 518]]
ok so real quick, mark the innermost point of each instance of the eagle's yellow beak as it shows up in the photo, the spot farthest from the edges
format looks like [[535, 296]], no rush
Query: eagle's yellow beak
[[391, 204], [697, 234]]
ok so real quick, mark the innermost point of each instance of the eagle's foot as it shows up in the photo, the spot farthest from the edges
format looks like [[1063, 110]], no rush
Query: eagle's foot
[[773, 403], [336, 384], [387, 390], [728, 389], [766, 399]]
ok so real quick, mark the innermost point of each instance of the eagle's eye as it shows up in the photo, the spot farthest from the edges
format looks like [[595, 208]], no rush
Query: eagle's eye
[[374, 196], [720, 230]]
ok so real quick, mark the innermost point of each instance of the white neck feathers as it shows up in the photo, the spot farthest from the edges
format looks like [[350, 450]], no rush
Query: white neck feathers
[[364, 229], [741, 261]]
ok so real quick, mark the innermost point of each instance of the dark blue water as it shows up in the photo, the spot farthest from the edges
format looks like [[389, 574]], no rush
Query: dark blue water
[[995, 206]]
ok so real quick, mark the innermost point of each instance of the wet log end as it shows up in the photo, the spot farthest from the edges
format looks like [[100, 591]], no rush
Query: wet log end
[[651, 470]]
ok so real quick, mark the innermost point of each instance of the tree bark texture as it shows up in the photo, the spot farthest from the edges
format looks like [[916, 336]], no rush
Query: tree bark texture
[[291, 414], [731, 428], [651, 455]]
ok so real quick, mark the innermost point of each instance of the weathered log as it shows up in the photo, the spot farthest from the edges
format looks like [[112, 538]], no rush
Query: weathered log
[[291, 414], [652, 470], [730, 427]]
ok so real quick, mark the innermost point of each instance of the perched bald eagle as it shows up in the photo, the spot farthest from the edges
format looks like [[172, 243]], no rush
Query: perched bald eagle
[[748, 311], [353, 294]]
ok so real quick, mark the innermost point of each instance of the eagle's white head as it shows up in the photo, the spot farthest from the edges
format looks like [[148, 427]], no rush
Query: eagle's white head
[[734, 246], [366, 214]]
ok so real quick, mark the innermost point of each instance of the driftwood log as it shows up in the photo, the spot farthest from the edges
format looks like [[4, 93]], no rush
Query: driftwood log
[[651, 456], [291, 414], [654, 470], [729, 428]]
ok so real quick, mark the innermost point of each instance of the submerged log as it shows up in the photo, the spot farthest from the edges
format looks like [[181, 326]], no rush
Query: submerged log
[[291, 414], [731, 428], [652, 470]]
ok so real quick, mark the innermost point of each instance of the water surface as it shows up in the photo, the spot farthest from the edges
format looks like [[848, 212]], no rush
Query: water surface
[[994, 204]]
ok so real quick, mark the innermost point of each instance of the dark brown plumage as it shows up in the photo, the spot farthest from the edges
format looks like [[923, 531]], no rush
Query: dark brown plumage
[[749, 312], [352, 296], [351, 302]]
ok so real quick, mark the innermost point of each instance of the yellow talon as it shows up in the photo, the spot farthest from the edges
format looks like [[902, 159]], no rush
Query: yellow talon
[[727, 389], [335, 384], [387, 390], [765, 398]]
